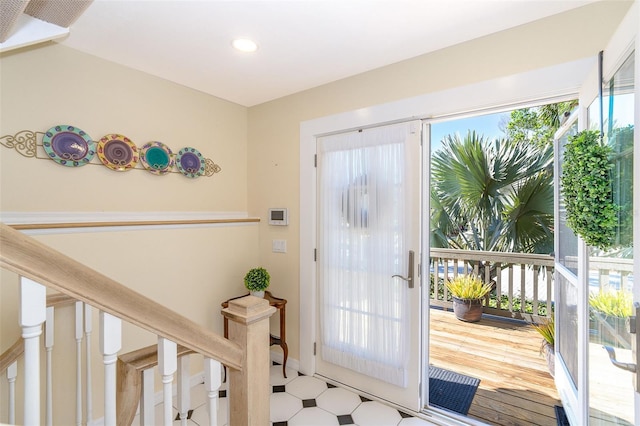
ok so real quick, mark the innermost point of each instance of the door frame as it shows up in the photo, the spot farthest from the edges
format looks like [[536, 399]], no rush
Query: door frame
[[563, 81]]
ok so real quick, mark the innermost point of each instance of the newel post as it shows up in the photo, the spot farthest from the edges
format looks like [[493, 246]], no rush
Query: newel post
[[249, 388]]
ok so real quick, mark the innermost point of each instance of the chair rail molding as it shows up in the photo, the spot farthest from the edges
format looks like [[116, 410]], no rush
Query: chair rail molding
[[45, 223]]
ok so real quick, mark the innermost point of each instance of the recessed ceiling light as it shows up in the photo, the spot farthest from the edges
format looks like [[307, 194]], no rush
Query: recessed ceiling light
[[244, 45]]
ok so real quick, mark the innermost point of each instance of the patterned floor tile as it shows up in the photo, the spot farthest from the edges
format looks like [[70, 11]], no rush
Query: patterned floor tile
[[313, 417], [284, 406], [305, 387], [376, 414], [338, 401], [300, 400]]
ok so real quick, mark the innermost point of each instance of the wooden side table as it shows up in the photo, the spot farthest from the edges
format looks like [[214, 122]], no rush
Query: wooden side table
[[280, 305]]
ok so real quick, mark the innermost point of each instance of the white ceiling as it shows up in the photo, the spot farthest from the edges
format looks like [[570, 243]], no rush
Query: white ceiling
[[302, 43]]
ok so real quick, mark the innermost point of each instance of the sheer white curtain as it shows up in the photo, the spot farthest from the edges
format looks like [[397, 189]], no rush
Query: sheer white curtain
[[363, 236]]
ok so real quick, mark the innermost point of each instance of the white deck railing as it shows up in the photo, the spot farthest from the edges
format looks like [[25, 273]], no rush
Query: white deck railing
[[523, 283]]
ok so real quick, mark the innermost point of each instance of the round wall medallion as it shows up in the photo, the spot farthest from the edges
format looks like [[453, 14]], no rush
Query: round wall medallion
[[68, 145], [117, 152], [190, 162], [156, 157]]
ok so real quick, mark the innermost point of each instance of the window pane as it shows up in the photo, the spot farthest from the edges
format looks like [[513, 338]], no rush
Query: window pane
[[611, 271]]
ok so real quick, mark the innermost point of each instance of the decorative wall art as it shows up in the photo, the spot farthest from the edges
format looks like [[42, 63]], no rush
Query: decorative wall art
[[157, 158], [117, 152], [68, 145], [190, 162], [72, 147]]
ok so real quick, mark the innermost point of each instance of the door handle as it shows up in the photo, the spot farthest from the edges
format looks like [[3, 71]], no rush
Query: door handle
[[409, 277], [634, 329], [623, 365]]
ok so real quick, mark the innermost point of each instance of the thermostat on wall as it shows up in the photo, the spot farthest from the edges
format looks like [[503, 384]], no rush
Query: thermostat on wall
[[278, 217]]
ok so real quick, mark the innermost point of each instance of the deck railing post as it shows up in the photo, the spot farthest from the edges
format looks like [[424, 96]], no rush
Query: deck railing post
[[249, 388]]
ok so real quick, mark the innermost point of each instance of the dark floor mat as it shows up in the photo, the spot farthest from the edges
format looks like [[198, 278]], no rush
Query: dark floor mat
[[451, 390]]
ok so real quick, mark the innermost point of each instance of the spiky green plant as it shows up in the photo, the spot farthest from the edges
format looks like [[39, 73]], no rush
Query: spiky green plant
[[468, 287], [493, 195], [547, 330], [612, 303]]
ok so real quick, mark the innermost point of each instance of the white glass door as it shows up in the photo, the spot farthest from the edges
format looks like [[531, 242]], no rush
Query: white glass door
[[368, 255], [596, 323], [611, 271]]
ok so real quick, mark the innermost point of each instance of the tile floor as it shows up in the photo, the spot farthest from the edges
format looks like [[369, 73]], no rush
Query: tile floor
[[304, 401]]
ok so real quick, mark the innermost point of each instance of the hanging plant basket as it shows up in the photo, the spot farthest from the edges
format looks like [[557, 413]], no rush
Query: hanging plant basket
[[586, 188]]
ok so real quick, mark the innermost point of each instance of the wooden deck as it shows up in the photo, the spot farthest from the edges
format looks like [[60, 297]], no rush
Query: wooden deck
[[515, 385]]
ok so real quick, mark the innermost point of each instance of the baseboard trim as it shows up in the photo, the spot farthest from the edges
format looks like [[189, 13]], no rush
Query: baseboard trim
[[279, 358]]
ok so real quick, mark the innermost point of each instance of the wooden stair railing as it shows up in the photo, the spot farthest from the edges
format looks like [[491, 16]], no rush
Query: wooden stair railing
[[17, 349], [131, 366], [245, 354], [29, 258], [130, 369]]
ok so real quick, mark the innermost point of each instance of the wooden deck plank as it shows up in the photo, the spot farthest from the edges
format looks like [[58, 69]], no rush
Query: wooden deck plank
[[515, 385]]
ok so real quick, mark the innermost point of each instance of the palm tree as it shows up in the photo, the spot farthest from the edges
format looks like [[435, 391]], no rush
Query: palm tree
[[492, 195]]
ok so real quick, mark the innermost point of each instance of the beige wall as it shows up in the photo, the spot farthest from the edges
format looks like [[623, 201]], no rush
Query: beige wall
[[189, 270], [49, 85], [274, 138]]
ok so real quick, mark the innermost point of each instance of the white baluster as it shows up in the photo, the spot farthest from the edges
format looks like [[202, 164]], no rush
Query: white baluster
[[212, 382], [184, 389], [33, 312], [110, 344], [48, 344], [147, 407], [12, 374], [78, 334], [167, 363], [89, 385]]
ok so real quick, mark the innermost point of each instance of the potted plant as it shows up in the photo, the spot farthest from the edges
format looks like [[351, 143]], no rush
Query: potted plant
[[547, 330], [608, 315], [256, 281], [467, 292]]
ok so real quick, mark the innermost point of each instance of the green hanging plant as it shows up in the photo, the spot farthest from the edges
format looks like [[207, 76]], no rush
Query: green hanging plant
[[586, 187]]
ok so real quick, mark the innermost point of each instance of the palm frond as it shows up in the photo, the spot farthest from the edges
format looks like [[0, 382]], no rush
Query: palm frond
[[491, 195]]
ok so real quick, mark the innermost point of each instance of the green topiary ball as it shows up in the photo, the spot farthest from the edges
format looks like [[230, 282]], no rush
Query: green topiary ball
[[257, 279], [586, 187]]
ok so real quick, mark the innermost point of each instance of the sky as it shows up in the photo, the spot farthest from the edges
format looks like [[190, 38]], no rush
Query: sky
[[487, 125]]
